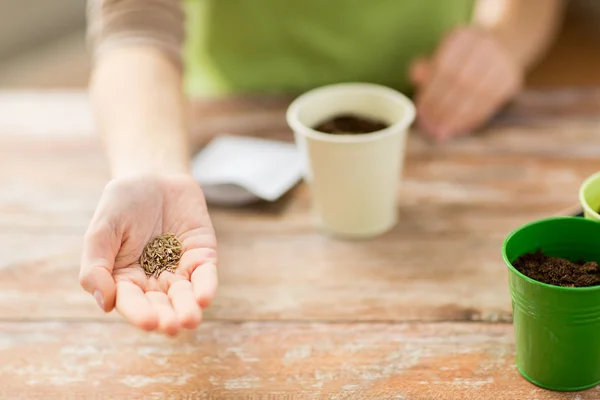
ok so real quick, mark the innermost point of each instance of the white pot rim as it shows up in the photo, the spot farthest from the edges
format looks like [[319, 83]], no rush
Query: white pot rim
[[393, 95]]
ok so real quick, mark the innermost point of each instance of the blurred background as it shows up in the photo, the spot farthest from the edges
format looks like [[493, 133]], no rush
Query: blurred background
[[42, 45]]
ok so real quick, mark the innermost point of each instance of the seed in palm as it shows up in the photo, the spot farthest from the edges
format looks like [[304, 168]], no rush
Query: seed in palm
[[161, 254]]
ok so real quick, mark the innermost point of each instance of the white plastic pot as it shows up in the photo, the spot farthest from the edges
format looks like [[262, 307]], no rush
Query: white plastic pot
[[353, 178]]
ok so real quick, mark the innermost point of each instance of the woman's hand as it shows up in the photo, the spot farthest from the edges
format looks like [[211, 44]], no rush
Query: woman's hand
[[468, 79], [132, 211]]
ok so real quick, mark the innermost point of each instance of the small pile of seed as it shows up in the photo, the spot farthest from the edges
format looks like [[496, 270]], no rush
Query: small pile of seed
[[161, 254]]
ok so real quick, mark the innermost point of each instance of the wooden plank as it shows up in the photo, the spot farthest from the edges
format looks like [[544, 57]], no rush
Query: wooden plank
[[257, 360], [457, 204], [50, 182], [262, 278], [60, 180], [533, 123], [66, 112], [455, 213]]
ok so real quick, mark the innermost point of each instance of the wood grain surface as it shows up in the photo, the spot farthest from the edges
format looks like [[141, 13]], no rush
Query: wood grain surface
[[273, 360], [422, 312]]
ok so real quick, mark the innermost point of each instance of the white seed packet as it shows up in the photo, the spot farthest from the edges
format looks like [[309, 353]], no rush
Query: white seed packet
[[236, 170]]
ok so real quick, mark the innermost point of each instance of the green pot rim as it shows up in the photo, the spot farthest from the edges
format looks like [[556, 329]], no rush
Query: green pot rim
[[533, 281], [582, 200]]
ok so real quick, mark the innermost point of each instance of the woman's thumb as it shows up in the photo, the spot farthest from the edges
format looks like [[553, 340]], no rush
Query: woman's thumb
[[99, 252], [420, 71]]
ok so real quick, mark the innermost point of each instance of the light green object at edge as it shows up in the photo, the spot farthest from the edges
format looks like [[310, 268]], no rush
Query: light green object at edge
[[589, 197], [251, 46], [557, 329]]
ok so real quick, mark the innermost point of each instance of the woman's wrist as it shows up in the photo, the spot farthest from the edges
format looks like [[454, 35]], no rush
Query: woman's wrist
[[150, 167], [155, 164], [131, 154], [524, 28], [140, 111]]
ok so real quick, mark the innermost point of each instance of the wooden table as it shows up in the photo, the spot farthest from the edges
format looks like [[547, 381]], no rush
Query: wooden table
[[420, 313]]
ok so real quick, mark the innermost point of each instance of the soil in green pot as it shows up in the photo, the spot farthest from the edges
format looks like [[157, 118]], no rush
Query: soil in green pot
[[558, 271]]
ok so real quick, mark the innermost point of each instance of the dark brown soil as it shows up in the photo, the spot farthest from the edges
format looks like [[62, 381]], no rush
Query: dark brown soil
[[350, 124], [558, 271]]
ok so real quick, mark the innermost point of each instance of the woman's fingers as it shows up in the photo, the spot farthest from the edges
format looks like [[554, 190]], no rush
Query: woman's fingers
[[436, 95], [184, 303], [194, 258], [491, 87], [430, 112], [135, 307], [205, 281], [157, 310], [167, 320], [199, 266], [463, 103], [420, 71], [471, 77], [100, 247], [472, 110]]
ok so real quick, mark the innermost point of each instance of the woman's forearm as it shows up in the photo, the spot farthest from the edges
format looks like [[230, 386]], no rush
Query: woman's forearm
[[139, 108], [525, 27]]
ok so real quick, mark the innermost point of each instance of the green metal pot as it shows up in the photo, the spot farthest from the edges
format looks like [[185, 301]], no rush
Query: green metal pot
[[557, 329]]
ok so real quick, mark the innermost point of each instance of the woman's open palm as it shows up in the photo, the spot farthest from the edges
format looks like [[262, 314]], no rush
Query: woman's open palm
[[131, 212]]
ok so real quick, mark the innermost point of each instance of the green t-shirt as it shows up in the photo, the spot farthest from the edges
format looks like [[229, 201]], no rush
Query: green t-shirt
[[250, 46]]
